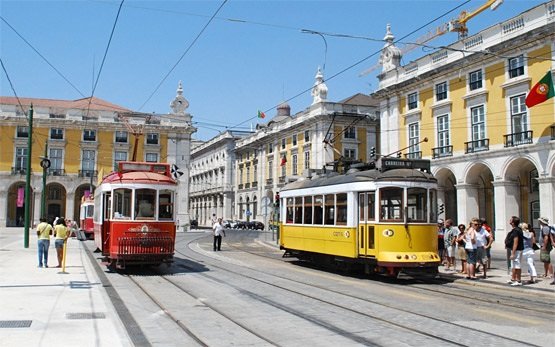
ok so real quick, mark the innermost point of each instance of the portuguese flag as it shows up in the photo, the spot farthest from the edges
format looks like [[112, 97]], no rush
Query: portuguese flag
[[261, 114], [542, 91]]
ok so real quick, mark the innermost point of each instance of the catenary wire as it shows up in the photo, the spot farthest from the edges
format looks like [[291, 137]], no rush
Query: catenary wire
[[13, 88]]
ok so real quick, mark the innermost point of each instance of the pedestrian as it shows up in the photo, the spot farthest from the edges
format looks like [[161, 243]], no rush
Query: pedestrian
[[61, 233], [516, 245], [461, 253], [545, 250], [490, 231], [44, 230], [470, 248], [528, 252], [450, 237], [214, 219], [483, 243], [440, 241], [218, 232]]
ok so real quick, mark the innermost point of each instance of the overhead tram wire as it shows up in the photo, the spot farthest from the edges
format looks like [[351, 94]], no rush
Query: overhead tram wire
[[363, 59], [103, 59], [13, 89], [183, 55], [43, 57]]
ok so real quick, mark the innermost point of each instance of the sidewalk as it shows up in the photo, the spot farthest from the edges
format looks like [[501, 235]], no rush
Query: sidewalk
[[44, 307]]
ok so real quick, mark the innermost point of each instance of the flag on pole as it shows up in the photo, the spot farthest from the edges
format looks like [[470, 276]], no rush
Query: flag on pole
[[261, 114], [541, 91], [283, 160], [176, 173]]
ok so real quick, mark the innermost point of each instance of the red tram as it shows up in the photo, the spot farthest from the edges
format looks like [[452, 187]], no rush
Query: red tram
[[134, 220], [86, 213]]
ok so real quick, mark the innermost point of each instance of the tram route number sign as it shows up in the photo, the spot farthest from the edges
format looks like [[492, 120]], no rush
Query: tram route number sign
[[396, 163]]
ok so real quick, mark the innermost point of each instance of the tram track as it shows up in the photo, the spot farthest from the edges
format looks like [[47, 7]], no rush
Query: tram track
[[461, 291], [435, 334]]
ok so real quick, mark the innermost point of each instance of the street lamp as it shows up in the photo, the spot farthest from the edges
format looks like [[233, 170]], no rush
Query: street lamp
[[45, 164]]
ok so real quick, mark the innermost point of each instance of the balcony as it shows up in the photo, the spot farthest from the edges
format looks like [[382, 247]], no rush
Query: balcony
[[553, 132], [87, 173], [240, 186], [269, 181], [56, 172], [516, 139], [19, 171], [414, 155], [254, 184], [442, 152], [247, 185], [281, 179], [476, 146]]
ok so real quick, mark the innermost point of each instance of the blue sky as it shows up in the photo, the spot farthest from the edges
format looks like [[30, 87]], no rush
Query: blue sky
[[252, 56]]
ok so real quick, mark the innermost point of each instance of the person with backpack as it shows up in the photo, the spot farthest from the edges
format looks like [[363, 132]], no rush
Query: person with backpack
[[547, 246]]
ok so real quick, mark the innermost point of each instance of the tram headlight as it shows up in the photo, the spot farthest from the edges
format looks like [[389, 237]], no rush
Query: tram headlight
[[413, 257], [388, 232]]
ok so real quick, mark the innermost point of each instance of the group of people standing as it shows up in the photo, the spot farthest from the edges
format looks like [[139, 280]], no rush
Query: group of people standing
[[61, 233], [472, 246]]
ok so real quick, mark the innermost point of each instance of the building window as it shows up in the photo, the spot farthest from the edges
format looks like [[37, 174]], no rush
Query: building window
[[121, 136], [307, 160], [414, 138], [87, 165], [248, 178], [443, 131], [22, 132], [56, 116], [350, 133], [283, 172], [241, 176], [270, 148], [270, 169], [152, 139], [89, 135], [282, 143], [412, 101], [151, 157], [254, 173], [294, 140], [21, 158], [441, 91], [119, 156], [519, 116], [56, 134], [306, 136], [516, 66], [478, 120], [349, 153], [294, 164], [475, 80], [56, 158]]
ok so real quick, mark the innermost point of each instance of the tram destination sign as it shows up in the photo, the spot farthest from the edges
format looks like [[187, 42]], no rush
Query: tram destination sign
[[397, 163]]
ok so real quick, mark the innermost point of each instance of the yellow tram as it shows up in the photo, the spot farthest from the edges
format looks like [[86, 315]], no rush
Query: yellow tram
[[383, 218]]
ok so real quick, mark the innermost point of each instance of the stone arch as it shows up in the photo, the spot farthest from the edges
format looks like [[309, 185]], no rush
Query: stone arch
[[16, 205], [479, 184], [447, 192], [56, 196], [522, 172]]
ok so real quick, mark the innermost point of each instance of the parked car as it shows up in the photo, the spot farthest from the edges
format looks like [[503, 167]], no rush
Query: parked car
[[241, 225], [255, 225], [194, 223]]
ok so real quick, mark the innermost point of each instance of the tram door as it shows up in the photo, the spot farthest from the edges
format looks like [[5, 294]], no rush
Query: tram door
[[366, 220]]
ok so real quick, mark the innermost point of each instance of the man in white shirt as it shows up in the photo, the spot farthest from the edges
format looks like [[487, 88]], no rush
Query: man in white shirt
[[218, 232]]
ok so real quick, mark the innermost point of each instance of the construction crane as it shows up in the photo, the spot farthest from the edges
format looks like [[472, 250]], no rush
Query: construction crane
[[455, 25], [137, 130]]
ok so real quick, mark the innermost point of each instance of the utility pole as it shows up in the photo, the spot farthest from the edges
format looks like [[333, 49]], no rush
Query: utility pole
[[28, 179]]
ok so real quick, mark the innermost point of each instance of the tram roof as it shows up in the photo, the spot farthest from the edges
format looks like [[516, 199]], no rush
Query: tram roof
[[138, 177], [412, 175]]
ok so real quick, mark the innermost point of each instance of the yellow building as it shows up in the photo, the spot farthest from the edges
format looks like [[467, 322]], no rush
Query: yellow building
[[493, 156], [83, 140]]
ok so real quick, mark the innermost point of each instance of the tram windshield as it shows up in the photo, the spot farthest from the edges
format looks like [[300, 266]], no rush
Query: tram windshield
[[416, 204], [391, 204], [165, 207], [122, 203], [145, 203]]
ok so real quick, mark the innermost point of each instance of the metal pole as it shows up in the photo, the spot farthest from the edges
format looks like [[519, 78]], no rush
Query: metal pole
[[28, 179], [43, 196]]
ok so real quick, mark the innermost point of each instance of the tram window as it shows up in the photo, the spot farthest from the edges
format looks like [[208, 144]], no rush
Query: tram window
[[329, 209], [341, 207], [298, 210], [307, 210], [416, 204], [361, 216], [433, 206], [122, 203], [165, 207], [145, 202], [391, 203], [289, 210], [372, 206], [318, 209]]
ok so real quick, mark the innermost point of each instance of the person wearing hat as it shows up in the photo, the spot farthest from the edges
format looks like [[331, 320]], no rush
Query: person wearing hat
[[545, 257]]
